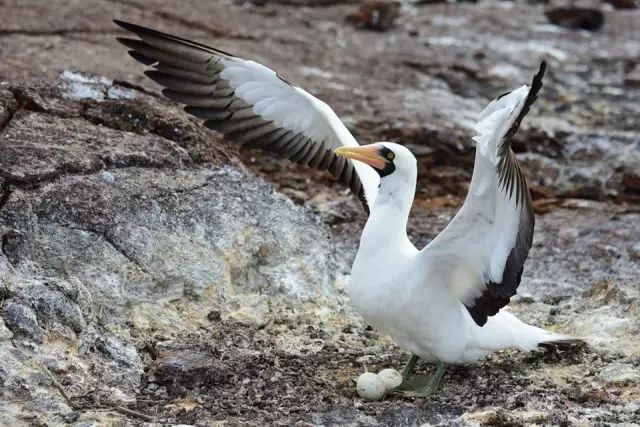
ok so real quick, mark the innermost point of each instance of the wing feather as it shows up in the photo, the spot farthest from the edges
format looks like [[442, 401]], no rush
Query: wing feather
[[250, 104], [481, 253]]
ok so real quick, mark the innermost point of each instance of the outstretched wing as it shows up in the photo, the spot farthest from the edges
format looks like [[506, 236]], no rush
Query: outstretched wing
[[481, 253], [250, 104]]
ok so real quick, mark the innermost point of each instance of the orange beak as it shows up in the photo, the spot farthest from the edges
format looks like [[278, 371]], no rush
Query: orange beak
[[369, 154]]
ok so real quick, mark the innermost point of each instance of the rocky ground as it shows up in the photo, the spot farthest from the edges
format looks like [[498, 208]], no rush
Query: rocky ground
[[153, 273]]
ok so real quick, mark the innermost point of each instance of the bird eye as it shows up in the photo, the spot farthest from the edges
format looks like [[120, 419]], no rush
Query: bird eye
[[390, 155]]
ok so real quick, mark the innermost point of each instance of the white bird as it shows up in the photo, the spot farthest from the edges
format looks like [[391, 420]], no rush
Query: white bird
[[442, 303]]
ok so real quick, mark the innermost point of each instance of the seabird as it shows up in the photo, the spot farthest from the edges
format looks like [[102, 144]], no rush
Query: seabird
[[443, 303]]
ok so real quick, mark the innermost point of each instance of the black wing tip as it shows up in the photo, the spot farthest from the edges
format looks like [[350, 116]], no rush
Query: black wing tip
[[536, 83], [482, 310], [139, 30], [492, 300], [135, 28], [155, 74], [141, 58], [480, 319], [127, 41], [123, 24], [542, 70]]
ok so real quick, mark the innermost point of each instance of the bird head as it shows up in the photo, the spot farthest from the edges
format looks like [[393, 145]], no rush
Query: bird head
[[387, 158]]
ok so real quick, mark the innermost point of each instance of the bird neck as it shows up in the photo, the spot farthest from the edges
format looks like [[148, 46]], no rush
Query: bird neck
[[387, 223]]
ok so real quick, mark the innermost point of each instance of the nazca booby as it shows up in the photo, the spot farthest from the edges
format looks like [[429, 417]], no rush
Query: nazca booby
[[442, 303]]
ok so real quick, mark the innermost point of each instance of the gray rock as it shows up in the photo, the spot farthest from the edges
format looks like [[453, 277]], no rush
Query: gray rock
[[590, 166], [544, 170], [187, 237], [122, 353], [51, 304], [22, 320], [101, 245], [620, 374], [5, 333]]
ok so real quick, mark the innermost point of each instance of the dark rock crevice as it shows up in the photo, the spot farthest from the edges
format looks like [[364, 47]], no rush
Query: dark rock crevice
[[108, 238], [26, 101], [125, 253], [3, 247], [113, 116], [160, 129], [6, 194], [34, 182], [9, 105], [4, 240], [190, 189], [124, 115]]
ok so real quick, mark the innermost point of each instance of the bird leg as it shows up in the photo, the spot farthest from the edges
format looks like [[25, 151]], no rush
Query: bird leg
[[422, 385], [408, 368], [436, 379]]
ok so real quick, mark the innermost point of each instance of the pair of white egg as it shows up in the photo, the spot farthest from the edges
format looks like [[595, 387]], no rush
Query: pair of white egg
[[372, 386]]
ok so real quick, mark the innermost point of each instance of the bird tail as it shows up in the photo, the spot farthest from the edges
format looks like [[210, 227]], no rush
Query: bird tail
[[563, 343], [505, 330], [532, 337]]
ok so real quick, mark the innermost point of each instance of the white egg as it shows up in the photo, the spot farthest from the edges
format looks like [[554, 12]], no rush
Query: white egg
[[390, 377], [370, 386]]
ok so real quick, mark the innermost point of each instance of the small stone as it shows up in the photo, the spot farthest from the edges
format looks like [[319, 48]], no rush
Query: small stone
[[631, 181], [214, 316], [370, 386], [54, 305], [20, 319], [620, 375], [390, 377], [375, 15], [576, 18], [108, 176], [118, 350]]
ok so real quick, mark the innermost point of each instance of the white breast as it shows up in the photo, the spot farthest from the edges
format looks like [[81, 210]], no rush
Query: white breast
[[393, 295]]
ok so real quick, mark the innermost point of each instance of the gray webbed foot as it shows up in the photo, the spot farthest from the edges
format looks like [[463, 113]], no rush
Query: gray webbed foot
[[421, 385]]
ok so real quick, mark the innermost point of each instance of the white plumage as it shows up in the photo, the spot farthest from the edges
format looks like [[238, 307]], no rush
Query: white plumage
[[442, 303], [292, 108]]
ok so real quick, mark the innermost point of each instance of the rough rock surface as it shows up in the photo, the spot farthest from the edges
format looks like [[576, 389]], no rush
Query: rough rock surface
[[150, 273]]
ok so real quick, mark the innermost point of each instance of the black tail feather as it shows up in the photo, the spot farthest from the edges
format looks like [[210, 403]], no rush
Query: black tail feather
[[563, 344]]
